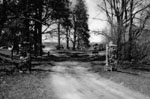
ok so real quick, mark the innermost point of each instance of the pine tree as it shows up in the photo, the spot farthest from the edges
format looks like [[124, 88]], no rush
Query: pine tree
[[81, 24], [60, 12]]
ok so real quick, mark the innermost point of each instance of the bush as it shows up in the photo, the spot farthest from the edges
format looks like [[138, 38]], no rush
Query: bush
[[141, 52]]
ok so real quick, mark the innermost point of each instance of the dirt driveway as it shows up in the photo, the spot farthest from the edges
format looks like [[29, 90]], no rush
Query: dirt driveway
[[72, 80], [63, 80]]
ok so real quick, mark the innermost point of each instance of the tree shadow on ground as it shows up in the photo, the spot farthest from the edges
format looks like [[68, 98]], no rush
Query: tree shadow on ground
[[42, 60], [70, 57], [12, 71], [143, 69], [42, 70], [127, 72]]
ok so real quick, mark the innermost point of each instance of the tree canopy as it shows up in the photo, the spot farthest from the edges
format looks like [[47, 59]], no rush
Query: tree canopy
[[27, 17]]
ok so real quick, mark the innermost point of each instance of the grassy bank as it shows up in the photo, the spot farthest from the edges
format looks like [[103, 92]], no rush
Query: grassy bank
[[25, 86], [132, 78]]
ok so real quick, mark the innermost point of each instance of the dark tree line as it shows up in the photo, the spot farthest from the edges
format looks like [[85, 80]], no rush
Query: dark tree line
[[23, 21], [81, 27]]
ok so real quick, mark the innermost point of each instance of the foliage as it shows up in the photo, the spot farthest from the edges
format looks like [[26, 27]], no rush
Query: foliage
[[60, 9], [81, 24], [27, 17], [140, 53]]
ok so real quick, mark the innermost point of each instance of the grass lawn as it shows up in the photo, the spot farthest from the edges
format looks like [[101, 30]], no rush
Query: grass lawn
[[25, 86]]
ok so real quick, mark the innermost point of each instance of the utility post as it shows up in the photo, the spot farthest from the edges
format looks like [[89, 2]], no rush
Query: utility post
[[107, 58]]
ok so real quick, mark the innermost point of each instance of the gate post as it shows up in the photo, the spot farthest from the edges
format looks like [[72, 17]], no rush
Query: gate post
[[107, 58], [111, 60], [106, 55]]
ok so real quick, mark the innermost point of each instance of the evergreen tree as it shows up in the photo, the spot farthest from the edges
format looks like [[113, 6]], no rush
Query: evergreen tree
[[81, 24], [60, 12], [33, 14]]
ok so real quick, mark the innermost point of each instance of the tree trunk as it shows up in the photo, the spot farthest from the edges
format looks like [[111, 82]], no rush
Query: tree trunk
[[78, 42], [40, 38], [67, 37], [119, 37], [58, 35], [75, 32], [3, 15], [35, 40], [74, 42], [39, 27], [130, 32]]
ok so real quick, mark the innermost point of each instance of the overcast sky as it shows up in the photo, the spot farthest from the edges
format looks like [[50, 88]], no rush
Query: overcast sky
[[95, 24], [94, 12]]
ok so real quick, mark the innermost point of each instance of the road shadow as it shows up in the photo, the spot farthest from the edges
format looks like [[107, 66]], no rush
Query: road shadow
[[41, 70], [70, 57], [127, 72]]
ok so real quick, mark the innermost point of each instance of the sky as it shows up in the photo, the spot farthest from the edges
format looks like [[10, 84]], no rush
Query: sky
[[94, 12], [95, 24]]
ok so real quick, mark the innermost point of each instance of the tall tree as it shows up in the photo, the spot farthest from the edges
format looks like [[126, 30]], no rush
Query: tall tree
[[81, 30], [35, 14], [3, 15], [67, 25], [60, 12]]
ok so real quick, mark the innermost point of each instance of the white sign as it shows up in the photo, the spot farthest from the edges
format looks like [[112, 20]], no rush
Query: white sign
[[1, 1]]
